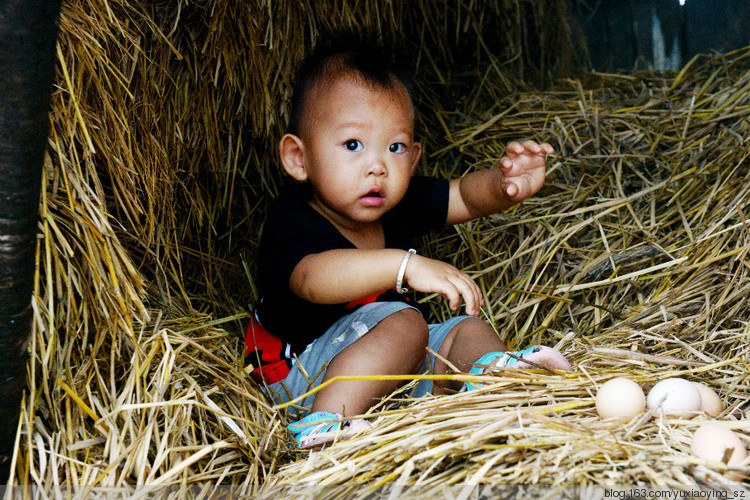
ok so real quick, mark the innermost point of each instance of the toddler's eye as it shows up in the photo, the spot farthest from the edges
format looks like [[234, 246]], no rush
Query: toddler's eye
[[353, 145], [397, 147]]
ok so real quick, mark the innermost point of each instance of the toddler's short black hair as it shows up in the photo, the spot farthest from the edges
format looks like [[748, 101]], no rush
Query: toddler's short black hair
[[362, 54]]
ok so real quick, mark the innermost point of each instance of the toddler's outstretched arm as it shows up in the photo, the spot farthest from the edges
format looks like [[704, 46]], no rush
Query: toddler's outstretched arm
[[338, 276], [521, 174]]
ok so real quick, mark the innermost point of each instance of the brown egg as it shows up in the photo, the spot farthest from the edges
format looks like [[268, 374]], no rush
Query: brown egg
[[710, 401], [712, 441], [620, 399]]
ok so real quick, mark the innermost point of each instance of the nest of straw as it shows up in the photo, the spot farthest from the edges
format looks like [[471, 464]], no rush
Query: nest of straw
[[632, 260]]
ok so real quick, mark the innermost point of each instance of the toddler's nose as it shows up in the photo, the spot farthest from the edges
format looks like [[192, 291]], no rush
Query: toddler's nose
[[377, 167]]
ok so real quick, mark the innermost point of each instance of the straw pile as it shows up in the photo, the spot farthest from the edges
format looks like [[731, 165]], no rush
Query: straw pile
[[633, 259], [161, 161]]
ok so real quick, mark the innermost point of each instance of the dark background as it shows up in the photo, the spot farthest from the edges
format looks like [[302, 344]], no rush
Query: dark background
[[660, 34]]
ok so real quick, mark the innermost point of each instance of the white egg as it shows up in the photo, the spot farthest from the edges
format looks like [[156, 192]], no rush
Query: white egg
[[620, 399], [675, 397]]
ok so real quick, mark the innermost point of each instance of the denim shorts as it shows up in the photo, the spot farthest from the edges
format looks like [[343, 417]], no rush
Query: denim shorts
[[309, 368]]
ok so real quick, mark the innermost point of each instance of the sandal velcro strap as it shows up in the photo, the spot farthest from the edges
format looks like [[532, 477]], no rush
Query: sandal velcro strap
[[306, 430], [500, 360], [322, 427], [532, 357]]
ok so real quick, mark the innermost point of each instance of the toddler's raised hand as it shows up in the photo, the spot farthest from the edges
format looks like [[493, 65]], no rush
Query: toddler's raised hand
[[524, 168], [433, 276]]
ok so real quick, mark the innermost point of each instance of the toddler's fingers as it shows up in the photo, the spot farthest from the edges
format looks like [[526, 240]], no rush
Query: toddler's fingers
[[514, 149], [532, 147], [451, 293], [506, 164], [548, 149], [472, 307], [511, 189], [471, 294]]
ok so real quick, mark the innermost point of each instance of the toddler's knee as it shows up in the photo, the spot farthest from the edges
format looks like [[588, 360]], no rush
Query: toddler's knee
[[414, 325], [415, 335], [476, 332], [473, 326]]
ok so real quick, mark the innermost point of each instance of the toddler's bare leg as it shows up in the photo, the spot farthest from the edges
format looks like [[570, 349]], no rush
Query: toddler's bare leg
[[468, 341], [396, 346]]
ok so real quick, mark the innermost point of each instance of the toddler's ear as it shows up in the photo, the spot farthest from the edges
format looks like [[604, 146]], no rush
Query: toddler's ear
[[292, 152], [416, 153]]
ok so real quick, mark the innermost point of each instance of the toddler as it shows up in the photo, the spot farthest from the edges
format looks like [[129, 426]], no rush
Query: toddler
[[337, 249]]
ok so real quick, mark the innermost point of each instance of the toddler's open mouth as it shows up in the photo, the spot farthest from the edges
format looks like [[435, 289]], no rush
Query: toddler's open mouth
[[374, 198]]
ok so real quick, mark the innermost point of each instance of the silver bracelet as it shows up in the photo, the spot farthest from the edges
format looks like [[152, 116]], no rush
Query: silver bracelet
[[402, 271]]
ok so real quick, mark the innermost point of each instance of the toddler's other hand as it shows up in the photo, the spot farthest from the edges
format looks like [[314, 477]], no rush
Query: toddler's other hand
[[524, 168], [433, 276]]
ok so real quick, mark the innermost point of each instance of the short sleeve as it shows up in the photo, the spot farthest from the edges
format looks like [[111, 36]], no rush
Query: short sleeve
[[424, 208], [292, 231]]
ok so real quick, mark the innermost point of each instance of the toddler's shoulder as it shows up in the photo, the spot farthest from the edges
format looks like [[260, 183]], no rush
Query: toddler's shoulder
[[290, 205]]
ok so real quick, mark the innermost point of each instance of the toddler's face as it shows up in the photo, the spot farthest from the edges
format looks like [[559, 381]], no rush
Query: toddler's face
[[359, 149]]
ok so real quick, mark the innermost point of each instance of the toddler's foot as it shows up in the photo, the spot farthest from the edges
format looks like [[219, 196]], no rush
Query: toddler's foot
[[533, 357], [323, 427]]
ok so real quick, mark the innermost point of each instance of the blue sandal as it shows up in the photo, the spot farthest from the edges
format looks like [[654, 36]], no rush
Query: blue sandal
[[530, 357], [322, 427]]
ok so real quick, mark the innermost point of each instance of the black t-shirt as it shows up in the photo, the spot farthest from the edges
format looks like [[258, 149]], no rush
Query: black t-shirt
[[293, 230]]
